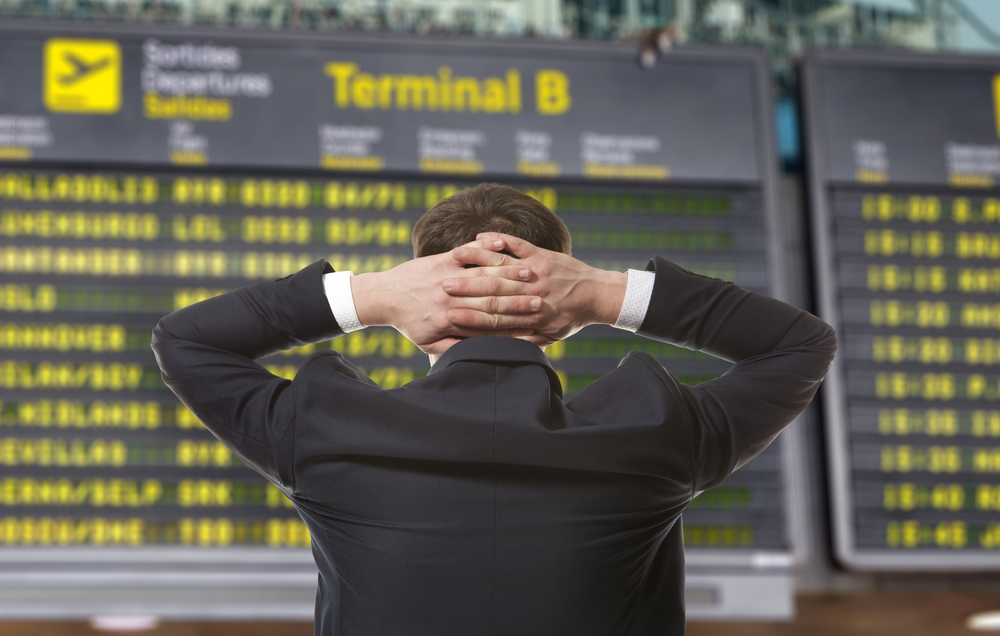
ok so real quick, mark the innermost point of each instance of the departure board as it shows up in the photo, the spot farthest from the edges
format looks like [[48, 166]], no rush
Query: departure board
[[99, 240], [904, 160]]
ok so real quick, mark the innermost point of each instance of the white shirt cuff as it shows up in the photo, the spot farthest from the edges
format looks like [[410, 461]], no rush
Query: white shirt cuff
[[337, 287], [638, 291]]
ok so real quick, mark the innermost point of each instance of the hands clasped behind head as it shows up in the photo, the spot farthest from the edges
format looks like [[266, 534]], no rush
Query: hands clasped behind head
[[419, 298], [528, 292], [570, 294]]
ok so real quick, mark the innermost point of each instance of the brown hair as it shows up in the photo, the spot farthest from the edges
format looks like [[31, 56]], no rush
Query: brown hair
[[488, 207]]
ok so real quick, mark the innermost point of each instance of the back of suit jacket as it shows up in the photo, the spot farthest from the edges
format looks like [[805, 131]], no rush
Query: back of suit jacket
[[475, 501]]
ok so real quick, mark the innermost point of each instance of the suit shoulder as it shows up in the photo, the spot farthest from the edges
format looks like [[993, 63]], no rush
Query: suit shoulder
[[326, 360], [645, 361], [639, 385]]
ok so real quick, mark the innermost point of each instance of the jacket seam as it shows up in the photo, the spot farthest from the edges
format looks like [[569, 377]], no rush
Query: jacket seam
[[291, 425], [493, 569], [340, 592]]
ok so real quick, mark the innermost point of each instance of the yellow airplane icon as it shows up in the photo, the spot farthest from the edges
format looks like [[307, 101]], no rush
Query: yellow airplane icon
[[82, 76]]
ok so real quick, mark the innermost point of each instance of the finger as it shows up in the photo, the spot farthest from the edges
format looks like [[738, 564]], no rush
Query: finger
[[472, 255], [538, 339], [514, 333], [439, 346], [487, 286], [472, 319], [508, 333], [490, 327], [493, 245], [510, 272], [500, 304], [514, 245]]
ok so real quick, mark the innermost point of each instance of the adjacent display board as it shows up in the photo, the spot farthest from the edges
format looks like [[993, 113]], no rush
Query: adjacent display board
[[904, 160], [152, 170]]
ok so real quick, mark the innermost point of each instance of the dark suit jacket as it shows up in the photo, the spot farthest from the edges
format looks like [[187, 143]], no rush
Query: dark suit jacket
[[475, 501]]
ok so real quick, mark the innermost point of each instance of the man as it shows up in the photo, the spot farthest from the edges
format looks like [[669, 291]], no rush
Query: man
[[475, 501]]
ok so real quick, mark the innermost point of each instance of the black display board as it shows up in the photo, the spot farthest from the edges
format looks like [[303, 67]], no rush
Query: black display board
[[114, 212], [904, 157]]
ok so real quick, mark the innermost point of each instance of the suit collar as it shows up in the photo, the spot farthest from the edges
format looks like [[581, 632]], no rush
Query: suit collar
[[497, 349]]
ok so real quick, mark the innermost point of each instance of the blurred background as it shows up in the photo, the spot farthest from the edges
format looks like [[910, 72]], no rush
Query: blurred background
[[840, 155]]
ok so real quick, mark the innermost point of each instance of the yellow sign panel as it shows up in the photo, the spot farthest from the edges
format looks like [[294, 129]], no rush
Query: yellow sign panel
[[83, 76]]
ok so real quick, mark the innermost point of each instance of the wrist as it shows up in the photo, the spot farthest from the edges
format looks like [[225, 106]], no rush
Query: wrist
[[369, 299], [609, 296]]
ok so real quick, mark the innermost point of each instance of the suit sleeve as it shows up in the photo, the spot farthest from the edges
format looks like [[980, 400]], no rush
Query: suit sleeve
[[206, 355], [781, 354]]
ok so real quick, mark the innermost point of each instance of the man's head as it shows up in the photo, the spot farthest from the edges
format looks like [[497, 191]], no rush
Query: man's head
[[488, 207]]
